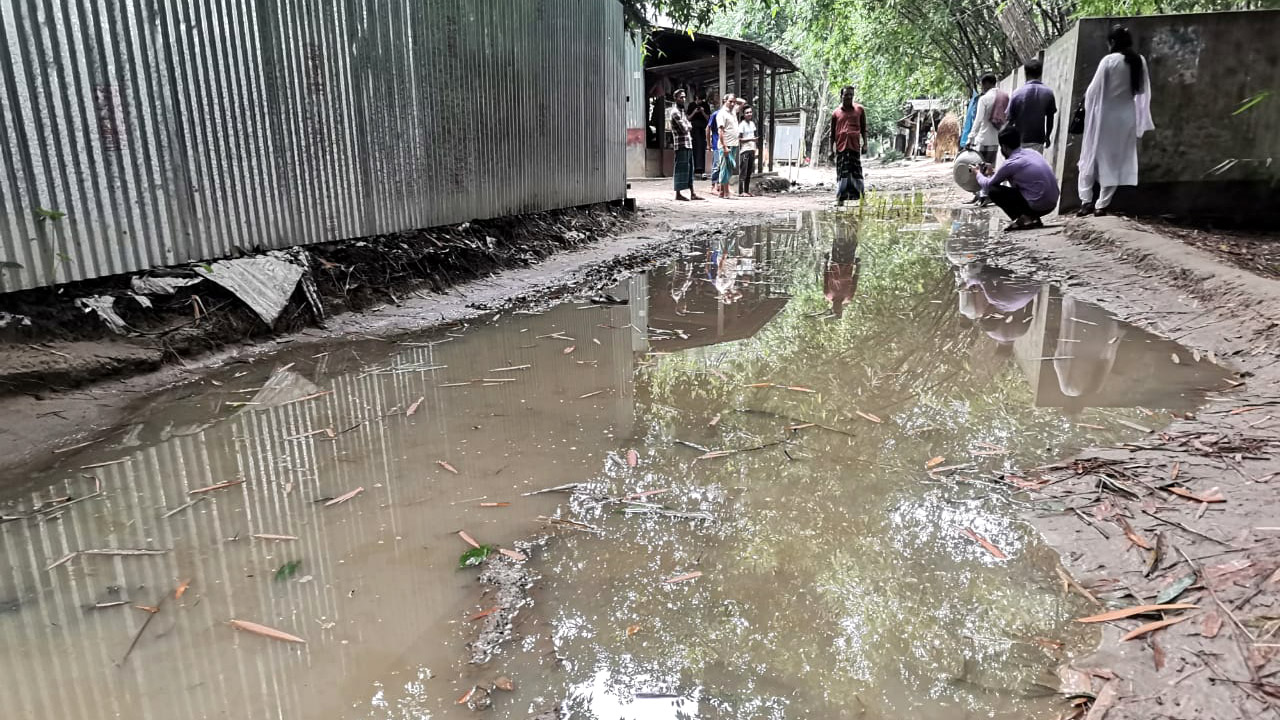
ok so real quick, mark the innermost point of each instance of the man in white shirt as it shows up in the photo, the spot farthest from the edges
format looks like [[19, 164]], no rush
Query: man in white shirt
[[750, 139], [727, 123], [985, 137]]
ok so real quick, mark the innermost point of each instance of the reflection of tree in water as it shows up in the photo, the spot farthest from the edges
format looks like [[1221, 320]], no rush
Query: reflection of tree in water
[[838, 583]]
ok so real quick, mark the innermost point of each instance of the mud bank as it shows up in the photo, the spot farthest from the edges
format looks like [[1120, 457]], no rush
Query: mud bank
[[1189, 513]]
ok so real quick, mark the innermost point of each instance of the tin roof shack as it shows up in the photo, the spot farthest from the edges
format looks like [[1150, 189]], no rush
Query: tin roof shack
[[704, 65], [1215, 152], [920, 117]]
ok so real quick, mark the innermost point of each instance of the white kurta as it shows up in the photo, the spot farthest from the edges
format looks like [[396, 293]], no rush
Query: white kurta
[[1114, 119]]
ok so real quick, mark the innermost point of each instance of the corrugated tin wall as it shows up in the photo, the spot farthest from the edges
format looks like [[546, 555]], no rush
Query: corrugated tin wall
[[175, 131]]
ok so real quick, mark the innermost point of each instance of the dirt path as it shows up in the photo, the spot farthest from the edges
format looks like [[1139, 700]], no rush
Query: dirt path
[[1219, 659]]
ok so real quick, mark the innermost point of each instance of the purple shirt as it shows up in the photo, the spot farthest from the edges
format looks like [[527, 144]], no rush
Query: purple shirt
[[1030, 174], [1028, 108]]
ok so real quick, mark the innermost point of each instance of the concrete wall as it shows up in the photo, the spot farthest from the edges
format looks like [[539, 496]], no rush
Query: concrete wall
[[1202, 65], [178, 131]]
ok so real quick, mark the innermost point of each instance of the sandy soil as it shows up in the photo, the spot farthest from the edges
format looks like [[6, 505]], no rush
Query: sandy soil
[[1218, 663]]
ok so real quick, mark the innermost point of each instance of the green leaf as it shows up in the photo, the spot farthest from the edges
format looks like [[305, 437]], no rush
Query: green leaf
[[49, 214], [475, 556], [1178, 587], [1250, 102], [288, 569]]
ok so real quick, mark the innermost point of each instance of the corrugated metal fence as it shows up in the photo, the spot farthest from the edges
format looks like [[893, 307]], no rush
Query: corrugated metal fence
[[176, 131]]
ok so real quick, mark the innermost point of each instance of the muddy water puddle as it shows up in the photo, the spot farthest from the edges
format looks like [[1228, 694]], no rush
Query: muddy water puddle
[[796, 452]]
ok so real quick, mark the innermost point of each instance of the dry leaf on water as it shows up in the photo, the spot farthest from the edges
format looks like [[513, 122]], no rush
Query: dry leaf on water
[[504, 684], [868, 416], [483, 614], [447, 466], [632, 630], [714, 421], [468, 539], [646, 493], [219, 486], [996, 552], [1173, 471], [797, 388], [265, 631], [181, 589], [414, 407], [569, 349], [269, 536], [466, 696], [760, 385], [344, 497], [633, 458], [495, 504], [682, 578], [514, 554], [1211, 625], [1135, 610], [1152, 627], [934, 462]]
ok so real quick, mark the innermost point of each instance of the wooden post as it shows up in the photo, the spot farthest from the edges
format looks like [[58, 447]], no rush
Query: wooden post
[[724, 74], [737, 73], [773, 110], [759, 93]]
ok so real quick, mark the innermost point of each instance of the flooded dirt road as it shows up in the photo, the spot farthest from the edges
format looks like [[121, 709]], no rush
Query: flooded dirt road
[[804, 457]]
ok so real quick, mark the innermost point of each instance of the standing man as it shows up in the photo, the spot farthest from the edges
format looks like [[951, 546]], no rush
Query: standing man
[[682, 137], [713, 139], [1032, 109], [848, 143], [985, 137], [749, 137], [699, 115], [727, 124], [969, 114]]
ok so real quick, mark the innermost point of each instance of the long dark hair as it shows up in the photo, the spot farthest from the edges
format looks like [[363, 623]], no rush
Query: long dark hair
[[1122, 42]]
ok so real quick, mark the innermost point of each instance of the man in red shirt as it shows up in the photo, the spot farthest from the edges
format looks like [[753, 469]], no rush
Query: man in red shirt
[[848, 142]]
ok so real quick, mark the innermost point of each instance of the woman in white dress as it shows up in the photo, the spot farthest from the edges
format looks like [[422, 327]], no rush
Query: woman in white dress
[[1117, 111]]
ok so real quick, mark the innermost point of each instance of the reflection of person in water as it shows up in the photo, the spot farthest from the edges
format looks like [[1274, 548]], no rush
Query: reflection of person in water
[[841, 267], [1001, 304], [1088, 341]]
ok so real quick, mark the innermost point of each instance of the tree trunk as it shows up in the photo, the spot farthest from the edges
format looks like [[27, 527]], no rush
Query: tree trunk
[[821, 124]]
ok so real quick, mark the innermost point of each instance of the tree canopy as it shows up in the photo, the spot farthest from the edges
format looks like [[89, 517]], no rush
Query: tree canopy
[[895, 50]]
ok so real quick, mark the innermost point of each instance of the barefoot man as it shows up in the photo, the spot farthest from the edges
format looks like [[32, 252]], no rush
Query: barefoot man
[[682, 135], [848, 143]]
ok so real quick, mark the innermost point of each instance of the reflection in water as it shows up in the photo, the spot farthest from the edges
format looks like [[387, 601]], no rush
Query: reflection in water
[[838, 579]]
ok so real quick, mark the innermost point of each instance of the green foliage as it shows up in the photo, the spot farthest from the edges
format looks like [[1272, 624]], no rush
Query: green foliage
[[475, 556], [896, 50], [51, 215], [288, 570]]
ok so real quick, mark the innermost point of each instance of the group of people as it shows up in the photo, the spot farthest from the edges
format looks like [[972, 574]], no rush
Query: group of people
[[731, 133], [1116, 112]]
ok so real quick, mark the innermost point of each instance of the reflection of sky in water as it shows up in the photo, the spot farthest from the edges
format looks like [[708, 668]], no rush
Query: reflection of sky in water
[[838, 577], [840, 580]]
